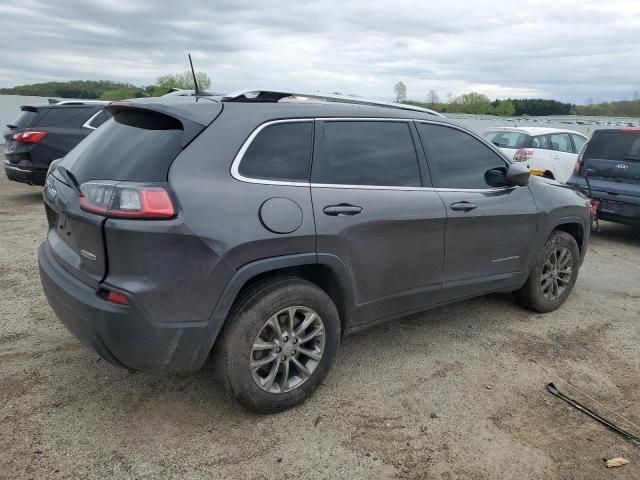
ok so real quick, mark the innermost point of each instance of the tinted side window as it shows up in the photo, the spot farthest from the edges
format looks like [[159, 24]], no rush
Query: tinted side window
[[280, 152], [458, 160], [560, 142], [367, 153], [579, 142]]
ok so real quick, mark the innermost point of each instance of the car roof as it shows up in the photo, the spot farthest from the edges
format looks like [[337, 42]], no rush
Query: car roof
[[533, 130], [204, 109]]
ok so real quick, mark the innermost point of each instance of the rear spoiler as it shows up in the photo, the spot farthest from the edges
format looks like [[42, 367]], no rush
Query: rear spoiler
[[199, 110], [193, 116], [28, 108]]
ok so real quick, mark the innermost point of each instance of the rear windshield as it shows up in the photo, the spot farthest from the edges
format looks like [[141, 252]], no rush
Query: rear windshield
[[507, 139], [133, 145], [23, 120], [617, 146]]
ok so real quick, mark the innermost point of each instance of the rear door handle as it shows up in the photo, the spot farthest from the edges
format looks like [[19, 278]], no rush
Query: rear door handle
[[463, 206], [342, 210]]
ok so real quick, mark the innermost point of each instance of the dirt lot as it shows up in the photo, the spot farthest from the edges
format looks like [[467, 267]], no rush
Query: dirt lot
[[458, 392]]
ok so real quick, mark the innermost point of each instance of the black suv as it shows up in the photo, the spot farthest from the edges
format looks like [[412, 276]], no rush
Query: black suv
[[262, 231], [41, 134], [608, 169]]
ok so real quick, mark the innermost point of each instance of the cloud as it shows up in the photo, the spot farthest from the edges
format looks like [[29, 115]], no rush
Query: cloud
[[569, 50]]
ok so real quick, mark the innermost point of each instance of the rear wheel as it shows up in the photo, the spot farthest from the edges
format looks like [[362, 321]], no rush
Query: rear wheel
[[279, 343], [553, 276]]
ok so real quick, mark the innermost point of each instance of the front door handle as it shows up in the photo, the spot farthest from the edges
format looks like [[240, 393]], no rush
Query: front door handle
[[463, 206], [342, 210]]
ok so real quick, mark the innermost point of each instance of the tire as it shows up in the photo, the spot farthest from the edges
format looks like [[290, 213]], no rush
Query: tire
[[251, 328], [537, 294]]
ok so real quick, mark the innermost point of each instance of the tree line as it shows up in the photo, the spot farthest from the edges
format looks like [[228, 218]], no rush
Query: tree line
[[109, 90], [478, 103]]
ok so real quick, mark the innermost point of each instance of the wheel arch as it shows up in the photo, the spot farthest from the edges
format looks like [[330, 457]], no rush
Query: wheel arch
[[575, 227], [324, 270]]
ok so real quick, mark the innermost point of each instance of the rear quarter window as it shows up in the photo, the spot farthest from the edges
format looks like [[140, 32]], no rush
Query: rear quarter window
[[133, 145], [281, 151]]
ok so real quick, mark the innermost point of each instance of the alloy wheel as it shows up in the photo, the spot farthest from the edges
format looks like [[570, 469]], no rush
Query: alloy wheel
[[556, 273], [287, 350]]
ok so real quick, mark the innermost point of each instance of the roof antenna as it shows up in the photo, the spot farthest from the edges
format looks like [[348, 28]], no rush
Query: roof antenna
[[195, 82]]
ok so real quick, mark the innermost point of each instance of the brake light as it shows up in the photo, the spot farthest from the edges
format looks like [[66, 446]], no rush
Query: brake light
[[523, 154], [595, 204], [126, 200], [28, 136]]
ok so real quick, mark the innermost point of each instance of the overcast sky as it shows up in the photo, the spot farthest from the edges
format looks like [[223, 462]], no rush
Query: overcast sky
[[564, 49]]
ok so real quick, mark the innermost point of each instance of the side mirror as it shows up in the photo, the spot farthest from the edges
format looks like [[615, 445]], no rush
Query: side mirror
[[517, 175]]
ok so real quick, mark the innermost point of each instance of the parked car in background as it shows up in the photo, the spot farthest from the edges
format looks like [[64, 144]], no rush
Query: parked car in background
[[608, 170], [43, 133], [188, 226], [549, 152]]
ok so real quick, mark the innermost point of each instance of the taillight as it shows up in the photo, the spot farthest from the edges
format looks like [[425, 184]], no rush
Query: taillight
[[523, 154], [126, 200], [578, 166], [28, 136]]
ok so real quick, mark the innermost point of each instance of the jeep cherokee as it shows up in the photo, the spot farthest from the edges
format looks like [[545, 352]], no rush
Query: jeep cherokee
[[262, 231]]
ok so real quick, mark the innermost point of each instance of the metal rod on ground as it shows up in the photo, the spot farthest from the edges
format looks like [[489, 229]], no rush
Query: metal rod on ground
[[629, 436]]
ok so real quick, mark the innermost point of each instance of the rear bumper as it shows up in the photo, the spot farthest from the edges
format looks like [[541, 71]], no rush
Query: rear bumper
[[22, 175], [614, 207], [121, 335]]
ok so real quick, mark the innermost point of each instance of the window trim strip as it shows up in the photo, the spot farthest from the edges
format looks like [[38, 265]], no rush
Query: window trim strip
[[235, 166]]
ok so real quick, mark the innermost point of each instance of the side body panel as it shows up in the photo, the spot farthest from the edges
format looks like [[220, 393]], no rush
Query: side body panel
[[559, 205], [394, 248], [488, 248], [224, 213]]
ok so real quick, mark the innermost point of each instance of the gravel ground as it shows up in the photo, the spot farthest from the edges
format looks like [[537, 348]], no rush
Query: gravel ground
[[457, 392]]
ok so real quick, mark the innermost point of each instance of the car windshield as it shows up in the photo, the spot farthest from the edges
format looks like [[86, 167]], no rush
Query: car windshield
[[614, 146], [507, 139]]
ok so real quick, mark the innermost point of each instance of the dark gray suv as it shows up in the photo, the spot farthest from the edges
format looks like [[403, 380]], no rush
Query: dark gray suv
[[263, 231]]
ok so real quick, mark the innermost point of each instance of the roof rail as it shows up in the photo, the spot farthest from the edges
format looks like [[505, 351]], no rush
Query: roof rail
[[270, 96], [81, 102]]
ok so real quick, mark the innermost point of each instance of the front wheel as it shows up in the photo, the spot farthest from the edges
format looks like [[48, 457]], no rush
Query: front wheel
[[553, 275], [278, 344]]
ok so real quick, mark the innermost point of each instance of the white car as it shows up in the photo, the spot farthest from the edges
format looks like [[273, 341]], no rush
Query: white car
[[549, 152]]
